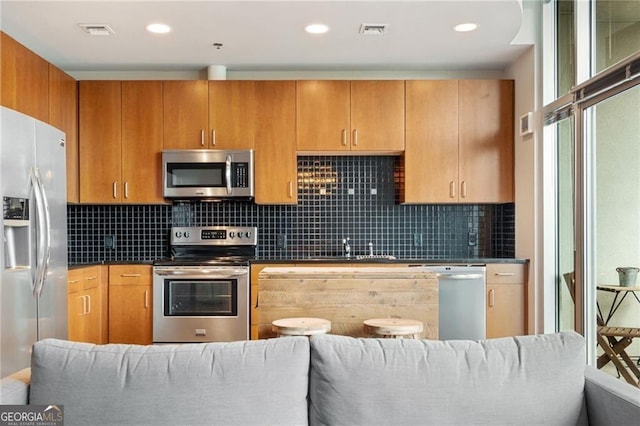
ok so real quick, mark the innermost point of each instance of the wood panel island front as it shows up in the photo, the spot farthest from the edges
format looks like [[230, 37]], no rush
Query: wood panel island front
[[347, 296]]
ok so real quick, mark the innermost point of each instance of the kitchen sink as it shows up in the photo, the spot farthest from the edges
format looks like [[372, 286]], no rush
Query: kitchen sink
[[354, 258]]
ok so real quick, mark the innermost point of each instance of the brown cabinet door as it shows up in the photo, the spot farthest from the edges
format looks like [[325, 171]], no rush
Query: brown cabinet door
[[276, 161], [100, 142], [142, 142], [377, 115], [84, 299], [185, 114], [75, 316], [63, 114], [92, 318], [431, 151], [24, 79], [486, 141], [506, 300], [232, 110], [130, 314], [322, 115]]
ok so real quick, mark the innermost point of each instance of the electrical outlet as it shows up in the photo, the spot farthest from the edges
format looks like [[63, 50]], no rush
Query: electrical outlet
[[281, 242], [472, 239], [417, 240], [110, 242]]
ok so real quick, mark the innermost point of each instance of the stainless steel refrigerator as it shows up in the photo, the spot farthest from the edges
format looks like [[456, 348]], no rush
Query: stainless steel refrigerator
[[33, 280]]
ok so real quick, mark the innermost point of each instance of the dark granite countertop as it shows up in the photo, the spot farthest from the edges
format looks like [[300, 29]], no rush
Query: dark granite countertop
[[338, 260]]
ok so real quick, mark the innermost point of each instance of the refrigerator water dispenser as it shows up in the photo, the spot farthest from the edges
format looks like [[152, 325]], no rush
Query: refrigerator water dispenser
[[16, 235]]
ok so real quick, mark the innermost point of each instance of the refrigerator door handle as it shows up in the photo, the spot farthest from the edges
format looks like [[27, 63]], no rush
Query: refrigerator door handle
[[43, 236]]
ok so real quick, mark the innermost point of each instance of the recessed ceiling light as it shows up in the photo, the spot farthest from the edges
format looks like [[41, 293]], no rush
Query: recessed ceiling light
[[158, 28], [316, 28], [466, 27]]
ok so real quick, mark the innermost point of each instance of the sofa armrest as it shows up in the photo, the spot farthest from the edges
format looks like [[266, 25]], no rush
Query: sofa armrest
[[610, 401], [14, 389]]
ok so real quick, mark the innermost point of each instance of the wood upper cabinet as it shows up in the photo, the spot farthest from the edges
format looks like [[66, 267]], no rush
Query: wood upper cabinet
[[361, 115], [63, 114], [120, 142], [85, 315], [142, 142], [486, 141], [459, 141], [506, 300], [130, 304], [377, 115], [100, 136], [185, 114], [232, 111], [275, 155], [431, 151], [24, 79]]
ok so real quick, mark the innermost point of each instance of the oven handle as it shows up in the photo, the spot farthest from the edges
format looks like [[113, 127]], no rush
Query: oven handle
[[236, 273]]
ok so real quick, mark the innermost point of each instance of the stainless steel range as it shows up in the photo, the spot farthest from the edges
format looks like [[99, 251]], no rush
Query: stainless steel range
[[201, 293]]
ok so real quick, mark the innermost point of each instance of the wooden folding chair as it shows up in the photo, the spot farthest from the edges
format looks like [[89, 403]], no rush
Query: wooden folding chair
[[613, 341]]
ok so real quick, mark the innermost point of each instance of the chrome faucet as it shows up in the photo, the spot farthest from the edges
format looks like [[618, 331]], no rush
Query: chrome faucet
[[370, 248], [346, 247]]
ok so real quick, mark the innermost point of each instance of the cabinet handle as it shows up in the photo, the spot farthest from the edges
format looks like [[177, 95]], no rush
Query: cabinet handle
[[463, 191], [492, 298], [504, 274], [344, 137], [130, 275], [355, 137], [84, 305], [91, 278], [213, 137], [115, 189], [73, 281], [88, 304], [452, 189], [146, 299], [126, 190], [290, 189], [202, 137]]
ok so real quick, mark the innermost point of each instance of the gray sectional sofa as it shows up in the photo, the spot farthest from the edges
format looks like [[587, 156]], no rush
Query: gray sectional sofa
[[327, 380]]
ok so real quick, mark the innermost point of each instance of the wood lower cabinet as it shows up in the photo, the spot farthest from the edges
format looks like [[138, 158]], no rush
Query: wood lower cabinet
[[85, 304], [459, 141], [130, 304], [506, 300], [275, 155], [359, 115]]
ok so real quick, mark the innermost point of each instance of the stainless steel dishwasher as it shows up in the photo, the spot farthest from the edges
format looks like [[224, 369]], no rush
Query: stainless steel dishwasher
[[461, 302]]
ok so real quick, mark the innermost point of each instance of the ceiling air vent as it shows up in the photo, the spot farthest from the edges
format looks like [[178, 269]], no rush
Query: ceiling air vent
[[373, 29], [97, 29]]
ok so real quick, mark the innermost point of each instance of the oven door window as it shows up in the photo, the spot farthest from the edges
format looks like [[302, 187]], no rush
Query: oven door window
[[196, 175], [197, 297]]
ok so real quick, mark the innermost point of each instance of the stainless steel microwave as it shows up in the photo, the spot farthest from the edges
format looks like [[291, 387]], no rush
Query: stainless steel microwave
[[207, 174]]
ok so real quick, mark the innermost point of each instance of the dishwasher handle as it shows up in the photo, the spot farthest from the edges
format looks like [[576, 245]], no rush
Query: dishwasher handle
[[459, 276]]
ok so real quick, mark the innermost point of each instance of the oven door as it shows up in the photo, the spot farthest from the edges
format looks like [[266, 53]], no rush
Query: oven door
[[200, 304]]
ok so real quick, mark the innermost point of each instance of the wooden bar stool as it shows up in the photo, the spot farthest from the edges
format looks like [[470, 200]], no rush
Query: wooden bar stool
[[397, 328], [300, 326]]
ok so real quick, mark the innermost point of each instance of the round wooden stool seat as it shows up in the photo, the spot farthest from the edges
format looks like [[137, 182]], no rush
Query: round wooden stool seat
[[300, 326], [393, 327]]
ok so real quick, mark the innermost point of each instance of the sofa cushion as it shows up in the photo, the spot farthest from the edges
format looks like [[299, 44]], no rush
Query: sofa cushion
[[522, 380], [243, 383]]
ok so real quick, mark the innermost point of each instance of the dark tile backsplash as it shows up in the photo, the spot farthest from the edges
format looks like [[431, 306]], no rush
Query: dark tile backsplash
[[338, 197]]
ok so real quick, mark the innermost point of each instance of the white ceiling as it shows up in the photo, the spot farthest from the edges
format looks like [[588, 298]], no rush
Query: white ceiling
[[267, 35]]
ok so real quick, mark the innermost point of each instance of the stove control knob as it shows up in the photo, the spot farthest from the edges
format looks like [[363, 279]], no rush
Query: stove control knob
[[232, 234], [187, 234], [178, 234], [240, 234], [247, 234]]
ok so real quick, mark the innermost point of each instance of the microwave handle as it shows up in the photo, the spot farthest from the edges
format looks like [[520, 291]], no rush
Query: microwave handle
[[227, 174]]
